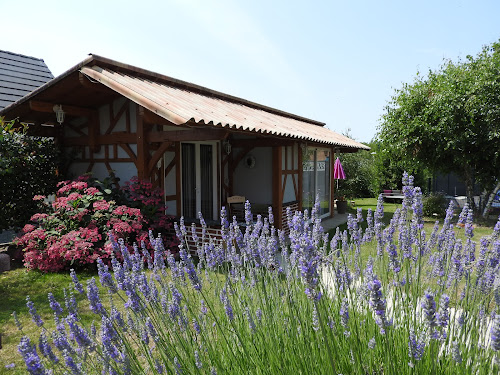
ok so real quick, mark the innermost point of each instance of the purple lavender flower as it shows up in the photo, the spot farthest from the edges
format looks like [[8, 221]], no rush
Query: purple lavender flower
[[248, 213], [108, 337], [177, 366], [76, 282], [76, 369], [105, 277], [93, 296], [377, 302], [251, 323], [455, 352], [315, 319], [393, 257], [416, 345], [429, 306], [443, 315], [46, 349], [33, 362], [32, 310], [372, 343], [197, 360], [258, 314], [344, 313], [54, 305], [118, 271], [495, 333], [79, 334], [16, 321], [270, 215], [227, 304], [189, 268]]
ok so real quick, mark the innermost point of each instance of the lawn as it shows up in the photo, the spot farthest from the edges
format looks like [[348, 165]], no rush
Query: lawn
[[480, 230], [15, 285]]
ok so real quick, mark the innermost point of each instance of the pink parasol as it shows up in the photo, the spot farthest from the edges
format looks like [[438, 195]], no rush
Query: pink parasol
[[338, 171]]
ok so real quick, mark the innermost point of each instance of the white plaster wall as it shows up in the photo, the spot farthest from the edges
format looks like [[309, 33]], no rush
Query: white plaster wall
[[123, 170], [255, 184], [170, 178], [77, 169]]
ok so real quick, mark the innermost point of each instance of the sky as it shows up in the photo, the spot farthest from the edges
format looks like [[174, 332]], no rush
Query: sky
[[338, 62]]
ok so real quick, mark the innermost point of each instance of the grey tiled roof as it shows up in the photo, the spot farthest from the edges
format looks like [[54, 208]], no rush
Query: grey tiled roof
[[19, 75]]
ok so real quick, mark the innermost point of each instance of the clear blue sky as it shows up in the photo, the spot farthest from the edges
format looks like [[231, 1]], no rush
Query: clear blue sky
[[333, 61]]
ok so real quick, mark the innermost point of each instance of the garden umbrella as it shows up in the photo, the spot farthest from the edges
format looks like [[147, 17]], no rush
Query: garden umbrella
[[338, 171]]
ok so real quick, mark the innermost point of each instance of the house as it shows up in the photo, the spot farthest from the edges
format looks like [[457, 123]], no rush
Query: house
[[20, 75], [199, 145]]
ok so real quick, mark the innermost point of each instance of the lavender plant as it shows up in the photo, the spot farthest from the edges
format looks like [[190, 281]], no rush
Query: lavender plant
[[385, 301]]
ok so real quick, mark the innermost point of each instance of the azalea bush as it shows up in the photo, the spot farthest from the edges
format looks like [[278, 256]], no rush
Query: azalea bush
[[72, 230], [387, 300]]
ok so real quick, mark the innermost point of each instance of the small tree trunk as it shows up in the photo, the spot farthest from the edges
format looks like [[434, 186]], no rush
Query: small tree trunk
[[490, 200], [469, 188]]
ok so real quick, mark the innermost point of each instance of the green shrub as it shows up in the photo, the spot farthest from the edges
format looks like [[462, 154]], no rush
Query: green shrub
[[435, 205], [28, 166]]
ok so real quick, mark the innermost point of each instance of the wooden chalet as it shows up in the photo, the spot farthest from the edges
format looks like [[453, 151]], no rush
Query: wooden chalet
[[201, 146]]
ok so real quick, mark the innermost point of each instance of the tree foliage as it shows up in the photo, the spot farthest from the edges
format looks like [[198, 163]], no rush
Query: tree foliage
[[449, 120], [28, 166]]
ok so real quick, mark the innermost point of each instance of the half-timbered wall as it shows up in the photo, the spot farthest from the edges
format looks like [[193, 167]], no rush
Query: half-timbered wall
[[114, 119]]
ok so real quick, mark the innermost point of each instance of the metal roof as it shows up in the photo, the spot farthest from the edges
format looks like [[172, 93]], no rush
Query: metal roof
[[177, 101], [181, 104], [20, 75]]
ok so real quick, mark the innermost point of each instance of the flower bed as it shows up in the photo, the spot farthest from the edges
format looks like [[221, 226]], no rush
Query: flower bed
[[72, 231]]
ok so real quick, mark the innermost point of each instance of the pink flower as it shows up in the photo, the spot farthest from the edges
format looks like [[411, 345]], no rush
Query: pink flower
[[91, 191], [39, 197], [101, 205], [37, 217], [28, 228], [74, 196]]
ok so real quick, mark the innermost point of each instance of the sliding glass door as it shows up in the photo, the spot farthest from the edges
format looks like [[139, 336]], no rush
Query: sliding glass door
[[199, 188], [316, 179]]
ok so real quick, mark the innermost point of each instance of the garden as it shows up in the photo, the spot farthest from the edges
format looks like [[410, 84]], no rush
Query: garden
[[390, 293]]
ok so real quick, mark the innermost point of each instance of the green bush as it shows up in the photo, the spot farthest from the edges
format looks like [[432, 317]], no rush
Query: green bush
[[28, 166], [435, 204]]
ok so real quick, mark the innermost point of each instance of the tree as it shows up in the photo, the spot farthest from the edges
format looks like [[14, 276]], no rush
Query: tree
[[449, 121], [360, 172]]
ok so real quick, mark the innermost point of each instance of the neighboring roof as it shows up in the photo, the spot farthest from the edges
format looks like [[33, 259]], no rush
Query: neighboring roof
[[20, 75], [181, 102]]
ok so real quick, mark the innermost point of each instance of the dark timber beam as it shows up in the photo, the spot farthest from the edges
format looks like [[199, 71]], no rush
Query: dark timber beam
[[71, 110], [186, 135]]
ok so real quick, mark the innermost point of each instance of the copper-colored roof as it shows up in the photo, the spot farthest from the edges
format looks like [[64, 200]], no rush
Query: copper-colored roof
[[181, 102], [180, 105]]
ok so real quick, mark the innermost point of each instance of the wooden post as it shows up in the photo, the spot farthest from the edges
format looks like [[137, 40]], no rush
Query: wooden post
[[300, 167], [277, 186], [141, 162], [177, 158]]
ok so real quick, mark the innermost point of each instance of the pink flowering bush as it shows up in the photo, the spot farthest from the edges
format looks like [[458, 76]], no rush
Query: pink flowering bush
[[73, 230]]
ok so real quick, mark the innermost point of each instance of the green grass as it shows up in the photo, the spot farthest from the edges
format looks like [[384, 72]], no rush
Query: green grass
[[481, 229]]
